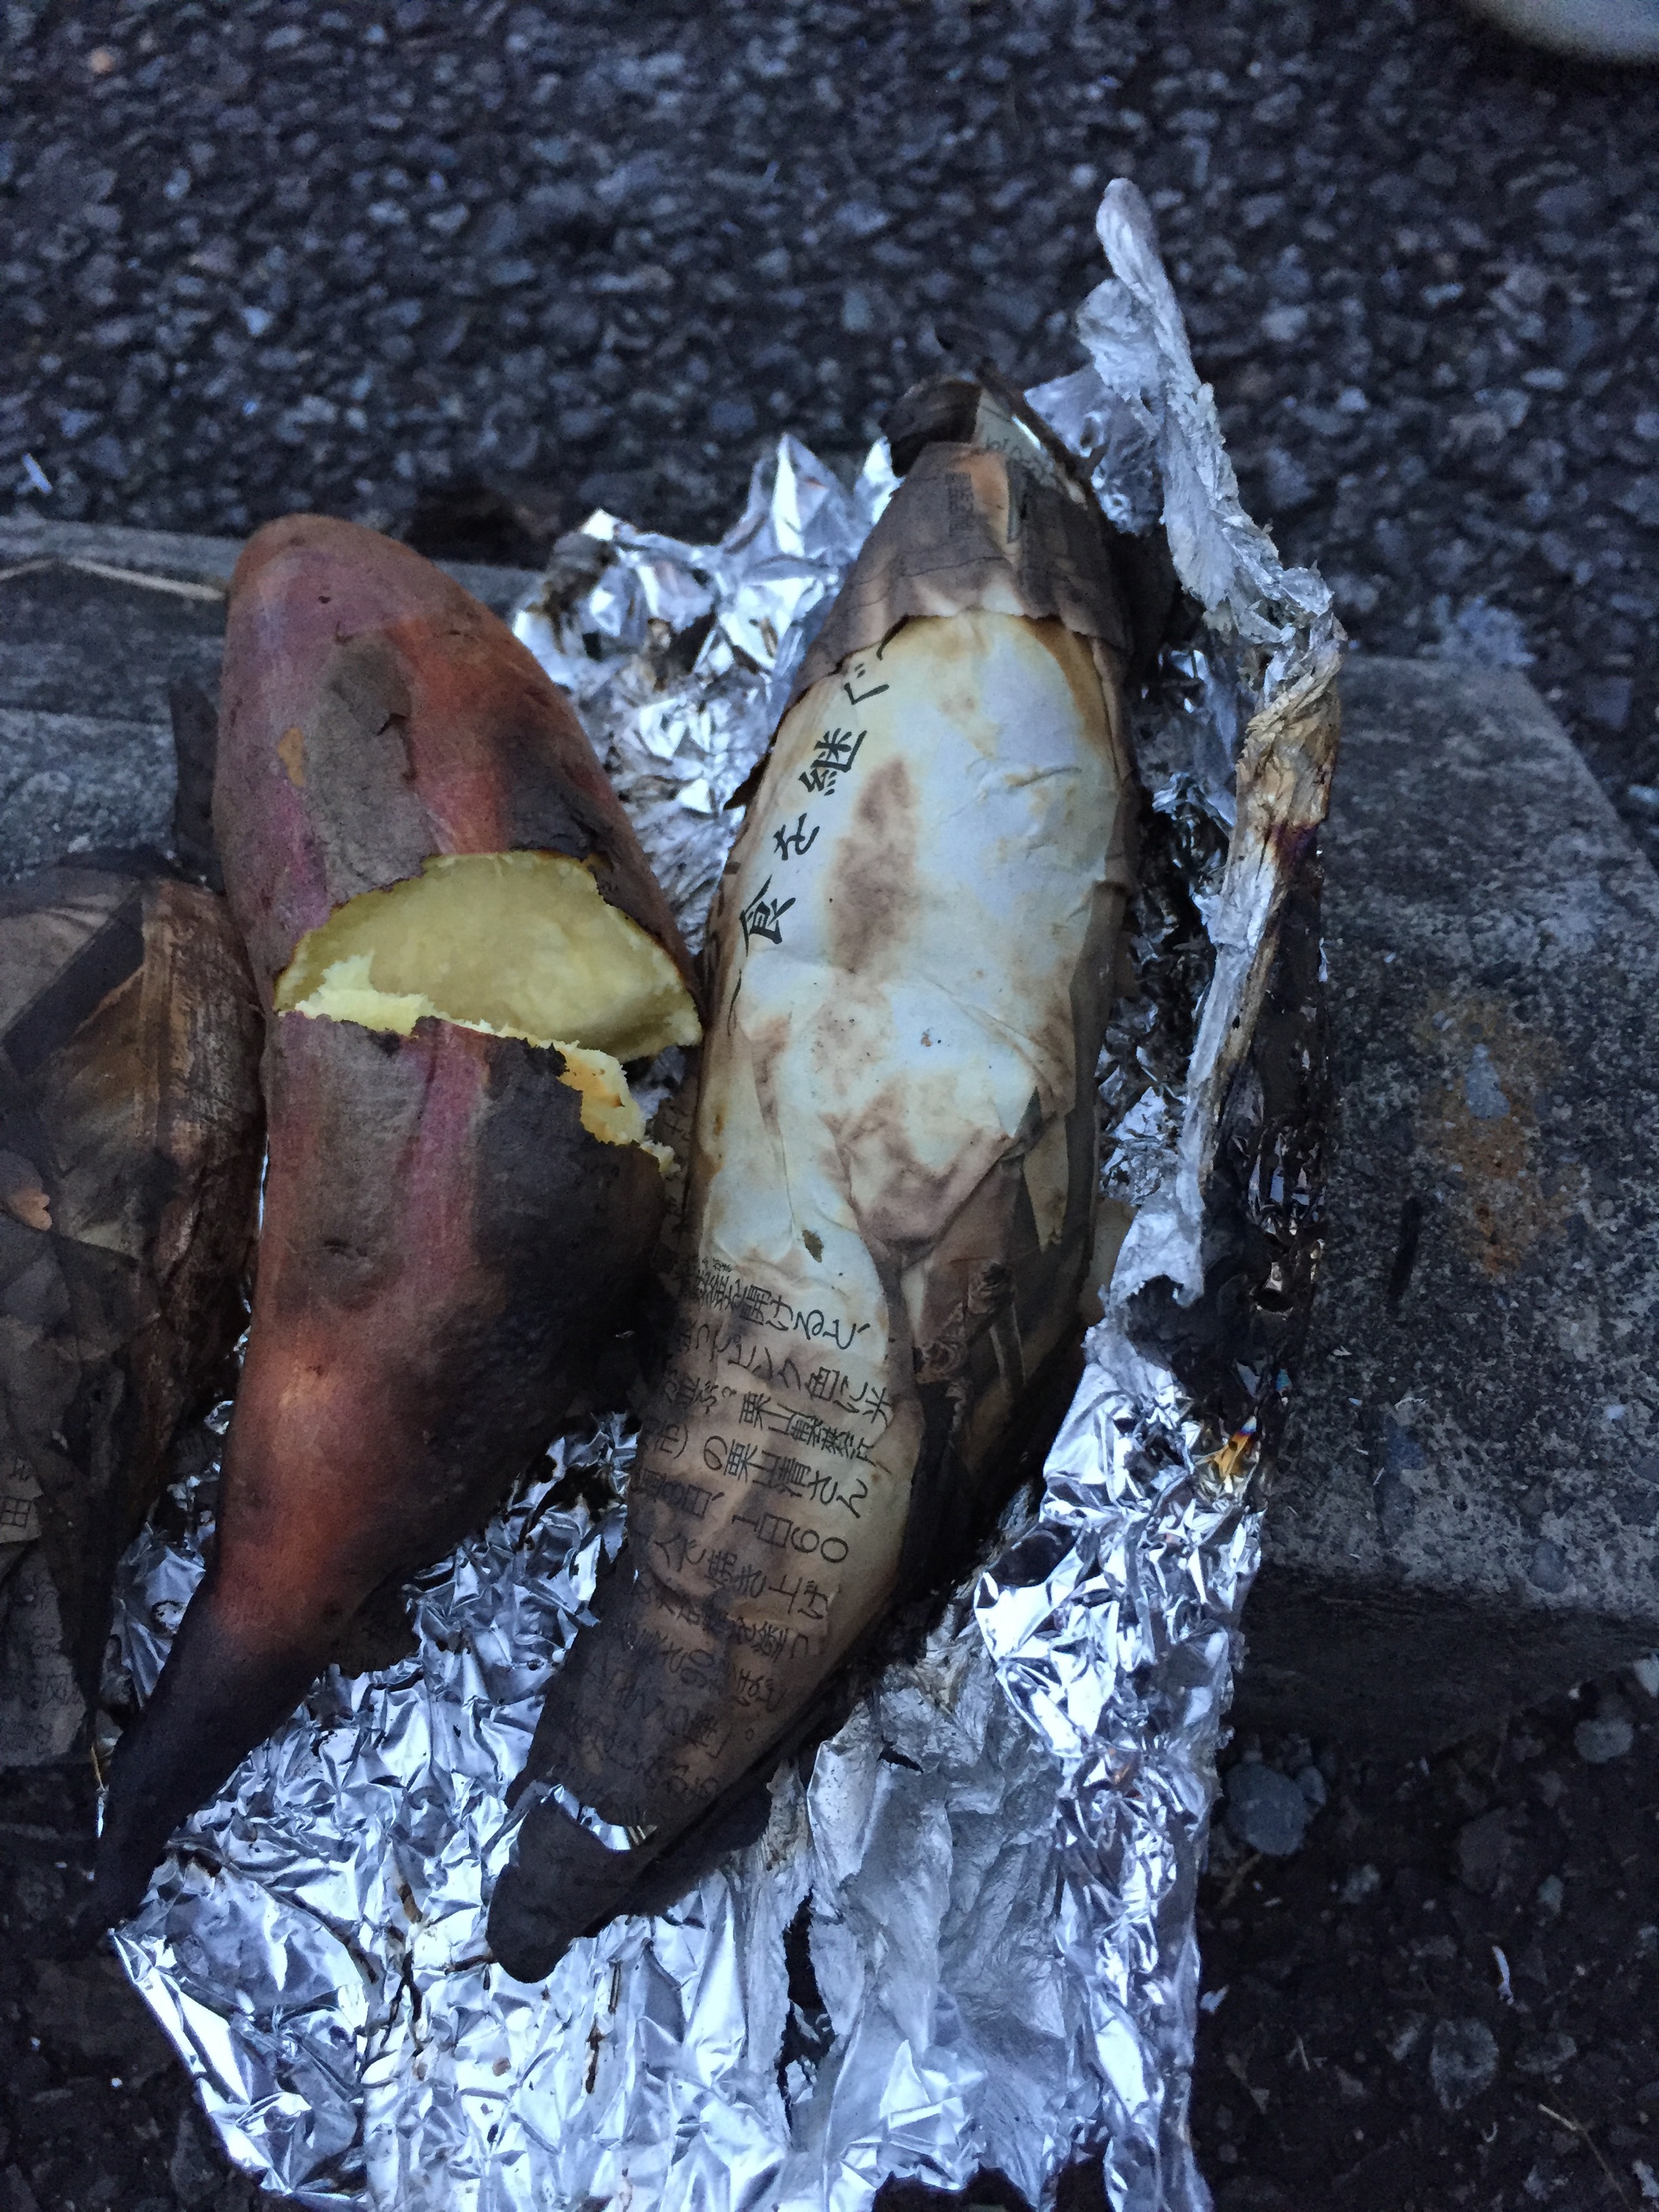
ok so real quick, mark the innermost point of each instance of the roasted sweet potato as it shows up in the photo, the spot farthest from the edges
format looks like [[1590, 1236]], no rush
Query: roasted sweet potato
[[893, 1177], [458, 943], [129, 1166]]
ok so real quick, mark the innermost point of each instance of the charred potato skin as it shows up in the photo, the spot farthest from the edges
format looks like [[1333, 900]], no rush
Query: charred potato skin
[[131, 1124], [443, 1246], [434, 1210]]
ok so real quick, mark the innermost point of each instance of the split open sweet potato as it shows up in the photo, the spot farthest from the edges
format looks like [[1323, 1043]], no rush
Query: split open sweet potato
[[893, 1179], [458, 945]]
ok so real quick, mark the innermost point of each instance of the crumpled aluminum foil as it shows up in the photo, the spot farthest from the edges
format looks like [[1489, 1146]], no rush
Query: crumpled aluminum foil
[[681, 657], [967, 1938]]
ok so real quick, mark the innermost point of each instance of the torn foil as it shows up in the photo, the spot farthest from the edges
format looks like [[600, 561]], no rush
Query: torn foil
[[966, 1938]]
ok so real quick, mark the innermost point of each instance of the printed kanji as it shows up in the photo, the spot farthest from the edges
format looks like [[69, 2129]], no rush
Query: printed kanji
[[805, 1598], [726, 1570], [872, 1402], [832, 757], [763, 916]]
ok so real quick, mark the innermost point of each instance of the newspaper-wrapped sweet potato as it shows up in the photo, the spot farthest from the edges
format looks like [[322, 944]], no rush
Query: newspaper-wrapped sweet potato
[[894, 1173], [458, 943], [129, 1166]]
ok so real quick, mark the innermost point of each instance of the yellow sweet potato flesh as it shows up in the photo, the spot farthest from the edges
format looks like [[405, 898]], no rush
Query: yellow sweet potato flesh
[[513, 944]]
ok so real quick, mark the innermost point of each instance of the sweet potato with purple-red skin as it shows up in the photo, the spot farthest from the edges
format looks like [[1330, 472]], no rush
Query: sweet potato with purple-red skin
[[457, 941]]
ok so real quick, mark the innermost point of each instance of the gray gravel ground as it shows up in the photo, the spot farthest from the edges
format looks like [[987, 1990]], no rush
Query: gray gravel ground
[[415, 262], [465, 269]]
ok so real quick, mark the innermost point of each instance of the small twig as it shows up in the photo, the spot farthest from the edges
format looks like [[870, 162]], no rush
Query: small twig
[[1578, 2129], [180, 586], [1234, 1880]]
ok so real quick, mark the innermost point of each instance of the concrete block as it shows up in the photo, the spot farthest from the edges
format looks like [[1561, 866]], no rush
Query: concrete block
[[72, 781], [86, 659], [1466, 1515]]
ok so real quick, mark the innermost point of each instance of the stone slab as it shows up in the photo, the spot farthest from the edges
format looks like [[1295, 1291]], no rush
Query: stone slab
[[86, 660], [1466, 1515], [70, 781]]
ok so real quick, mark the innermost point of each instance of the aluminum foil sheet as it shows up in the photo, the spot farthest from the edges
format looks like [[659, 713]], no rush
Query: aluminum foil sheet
[[966, 1938]]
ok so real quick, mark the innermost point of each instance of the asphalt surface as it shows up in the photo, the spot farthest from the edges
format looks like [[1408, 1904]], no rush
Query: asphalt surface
[[467, 270], [464, 270]]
